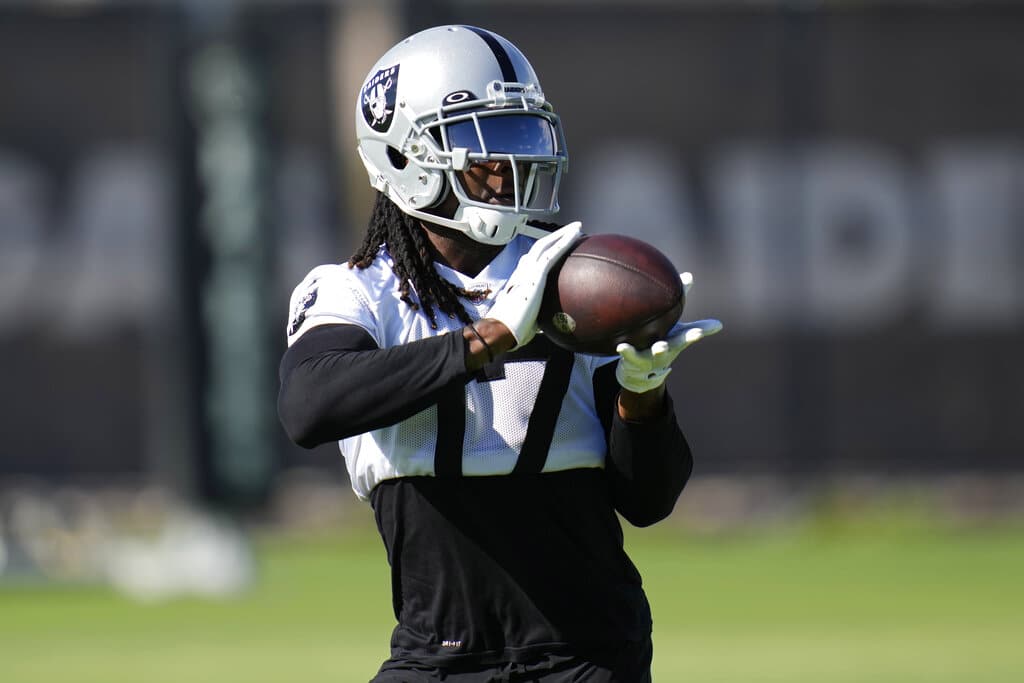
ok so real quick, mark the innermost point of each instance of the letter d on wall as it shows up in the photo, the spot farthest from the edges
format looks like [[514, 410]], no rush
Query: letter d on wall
[[858, 237]]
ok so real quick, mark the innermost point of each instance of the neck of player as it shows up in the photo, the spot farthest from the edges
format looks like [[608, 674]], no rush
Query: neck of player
[[458, 250]]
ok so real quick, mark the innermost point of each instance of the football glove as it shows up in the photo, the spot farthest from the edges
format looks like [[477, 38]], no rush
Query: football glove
[[644, 370], [518, 304]]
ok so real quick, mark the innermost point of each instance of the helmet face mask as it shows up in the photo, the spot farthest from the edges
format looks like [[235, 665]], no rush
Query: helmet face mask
[[529, 142], [450, 97]]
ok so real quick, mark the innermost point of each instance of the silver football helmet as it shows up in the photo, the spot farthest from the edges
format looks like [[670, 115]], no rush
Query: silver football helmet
[[452, 96]]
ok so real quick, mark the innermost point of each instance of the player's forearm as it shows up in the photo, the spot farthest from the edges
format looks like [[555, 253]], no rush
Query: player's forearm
[[650, 405], [649, 464], [336, 383]]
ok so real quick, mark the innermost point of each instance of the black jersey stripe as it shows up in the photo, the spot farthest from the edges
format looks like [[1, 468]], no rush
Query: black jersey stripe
[[541, 429], [451, 432], [508, 71]]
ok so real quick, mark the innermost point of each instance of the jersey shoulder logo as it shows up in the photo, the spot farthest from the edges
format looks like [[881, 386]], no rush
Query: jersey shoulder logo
[[301, 306], [378, 98]]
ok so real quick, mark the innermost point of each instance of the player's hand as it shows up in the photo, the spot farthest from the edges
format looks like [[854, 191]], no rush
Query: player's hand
[[518, 304], [644, 370]]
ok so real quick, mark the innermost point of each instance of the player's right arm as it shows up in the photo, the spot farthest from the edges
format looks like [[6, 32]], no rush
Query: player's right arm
[[336, 382], [339, 377]]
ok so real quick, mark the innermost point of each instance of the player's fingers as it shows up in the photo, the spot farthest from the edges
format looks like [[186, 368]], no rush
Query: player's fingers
[[547, 250], [683, 334], [677, 335], [571, 234], [708, 326], [566, 235], [687, 280], [559, 239], [628, 353], [661, 355]]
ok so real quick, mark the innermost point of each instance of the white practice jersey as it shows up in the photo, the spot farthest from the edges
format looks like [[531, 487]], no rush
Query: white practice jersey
[[498, 404]]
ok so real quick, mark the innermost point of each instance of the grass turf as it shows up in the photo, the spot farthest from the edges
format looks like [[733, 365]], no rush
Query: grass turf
[[819, 603]]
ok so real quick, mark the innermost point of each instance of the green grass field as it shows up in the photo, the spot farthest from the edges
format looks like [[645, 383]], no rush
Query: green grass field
[[819, 602]]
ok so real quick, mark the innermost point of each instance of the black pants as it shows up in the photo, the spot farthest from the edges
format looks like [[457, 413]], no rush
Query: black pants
[[632, 664]]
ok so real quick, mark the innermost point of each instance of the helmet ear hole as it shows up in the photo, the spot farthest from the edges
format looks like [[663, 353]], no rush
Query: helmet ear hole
[[442, 194], [396, 158]]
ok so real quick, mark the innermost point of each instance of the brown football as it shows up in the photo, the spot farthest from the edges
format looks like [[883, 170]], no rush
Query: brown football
[[607, 290]]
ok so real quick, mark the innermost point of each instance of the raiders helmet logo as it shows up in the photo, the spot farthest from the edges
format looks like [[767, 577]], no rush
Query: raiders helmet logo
[[378, 98]]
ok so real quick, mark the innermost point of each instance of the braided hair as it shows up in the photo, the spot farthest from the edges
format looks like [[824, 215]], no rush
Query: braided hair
[[414, 263]]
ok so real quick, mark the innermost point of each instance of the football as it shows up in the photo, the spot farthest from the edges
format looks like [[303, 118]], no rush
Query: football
[[607, 290]]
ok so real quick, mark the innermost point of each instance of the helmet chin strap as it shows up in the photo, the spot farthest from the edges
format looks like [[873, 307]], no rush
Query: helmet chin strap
[[487, 226]]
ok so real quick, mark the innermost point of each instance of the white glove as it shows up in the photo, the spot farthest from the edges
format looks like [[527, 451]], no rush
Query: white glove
[[645, 370], [518, 304]]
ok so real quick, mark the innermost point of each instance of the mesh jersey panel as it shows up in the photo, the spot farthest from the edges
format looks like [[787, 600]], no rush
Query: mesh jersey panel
[[493, 438], [490, 431]]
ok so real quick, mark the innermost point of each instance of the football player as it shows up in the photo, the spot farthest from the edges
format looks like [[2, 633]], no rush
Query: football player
[[494, 461]]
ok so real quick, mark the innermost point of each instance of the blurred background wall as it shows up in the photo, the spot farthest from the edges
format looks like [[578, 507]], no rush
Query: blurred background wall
[[844, 179]]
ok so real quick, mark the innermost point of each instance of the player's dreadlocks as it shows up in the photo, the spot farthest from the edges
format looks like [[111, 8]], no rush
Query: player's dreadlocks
[[414, 264]]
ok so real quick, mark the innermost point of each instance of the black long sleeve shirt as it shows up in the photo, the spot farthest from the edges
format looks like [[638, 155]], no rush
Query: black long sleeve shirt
[[491, 568]]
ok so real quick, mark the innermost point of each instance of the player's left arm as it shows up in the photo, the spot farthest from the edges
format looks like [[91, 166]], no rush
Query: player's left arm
[[649, 460]]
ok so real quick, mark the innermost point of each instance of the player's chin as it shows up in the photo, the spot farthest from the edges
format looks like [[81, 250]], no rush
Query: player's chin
[[503, 199]]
